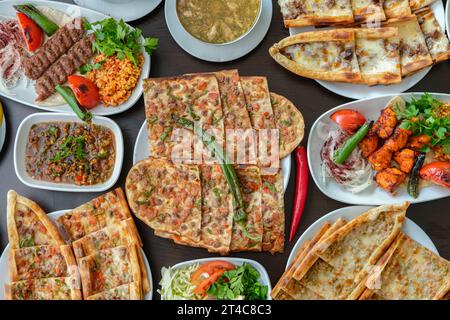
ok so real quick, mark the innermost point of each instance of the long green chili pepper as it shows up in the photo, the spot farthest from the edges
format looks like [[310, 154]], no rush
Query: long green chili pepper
[[49, 27], [350, 144], [413, 182], [69, 97]]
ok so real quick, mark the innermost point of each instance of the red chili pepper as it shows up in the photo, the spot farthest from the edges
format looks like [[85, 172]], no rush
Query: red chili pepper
[[301, 189]]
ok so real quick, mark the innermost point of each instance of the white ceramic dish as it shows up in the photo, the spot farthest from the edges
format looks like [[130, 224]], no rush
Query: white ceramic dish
[[213, 52], [410, 228], [264, 277], [360, 91], [142, 151], [26, 94], [4, 275], [373, 195], [22, 140], [2, 130], [126, 10], [447, 18]]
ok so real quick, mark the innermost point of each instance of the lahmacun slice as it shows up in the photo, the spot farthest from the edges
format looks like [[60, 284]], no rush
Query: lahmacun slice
[[28, 225], [435, 38], [129, 291], [377, 51], [44, 289], [323, 55]]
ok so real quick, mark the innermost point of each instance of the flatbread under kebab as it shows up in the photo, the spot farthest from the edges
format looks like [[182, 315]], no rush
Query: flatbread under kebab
[[322, 55], [44, 289], [129, 291], [414, 54], [28, 225], [378, 55], [166, 196], [435, 38], [289, 121], [396, 8], [409, 271]]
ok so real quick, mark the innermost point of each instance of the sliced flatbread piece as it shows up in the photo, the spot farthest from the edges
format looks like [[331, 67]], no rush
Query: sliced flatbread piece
[[129, 291], [96, 214], [28, 225], [417, 4], [273, 212], [300, 13], [408, 271], [322, 55], [166, 196], [289, 121], [378, 55], [109, 268], [44, 289], [396, 8], [414, 54], [436, 40], [370, 11], [41, 262], [249, 236]]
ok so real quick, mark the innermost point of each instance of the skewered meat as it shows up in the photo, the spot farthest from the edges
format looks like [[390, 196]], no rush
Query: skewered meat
[[389, 179], [405, 159], [53, 48], [381, 158], [398, 140], [369, 144], [77, 56], [418, 142], [386, 123]]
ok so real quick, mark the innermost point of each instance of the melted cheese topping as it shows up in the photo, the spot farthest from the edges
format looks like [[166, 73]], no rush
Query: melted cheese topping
[[396, 8], [377, 56], [435, 39], [292, 9]]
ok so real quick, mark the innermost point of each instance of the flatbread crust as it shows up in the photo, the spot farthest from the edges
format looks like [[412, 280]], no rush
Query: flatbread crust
[[414, 54], [109, 268], [44, 289], [396, 8], [129, 291], [408, 271], [368, 10], [323, 55], [289, 121], [35, 226], [417, 4], [378, 55], [435, 38]]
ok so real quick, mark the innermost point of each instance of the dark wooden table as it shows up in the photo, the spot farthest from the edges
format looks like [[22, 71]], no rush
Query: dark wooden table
[[312, 100]]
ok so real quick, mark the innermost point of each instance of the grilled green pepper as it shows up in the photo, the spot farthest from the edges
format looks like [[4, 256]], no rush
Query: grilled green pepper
[[413, 182], [350, 144], [49, 27]]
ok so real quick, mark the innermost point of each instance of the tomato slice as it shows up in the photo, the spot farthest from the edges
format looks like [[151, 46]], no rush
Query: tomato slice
[[85, 91], [348, 119], [437, 172], [206, 283], [32, 33], [210, 268]]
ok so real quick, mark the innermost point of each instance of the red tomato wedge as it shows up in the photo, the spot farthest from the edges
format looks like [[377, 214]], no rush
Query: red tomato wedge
[[437, 172], [205, 284], [210, 268], [32, 33], [85, 91], [348, 119]]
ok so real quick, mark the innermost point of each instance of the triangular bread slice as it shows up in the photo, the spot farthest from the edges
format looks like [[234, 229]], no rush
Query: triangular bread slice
[[410, 271], [323, 55], [28, 225]]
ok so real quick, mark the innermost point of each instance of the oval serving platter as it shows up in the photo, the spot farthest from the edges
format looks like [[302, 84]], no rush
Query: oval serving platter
[[361, 91], [141, 152], [26, 95], [409, 227], [4, 274], [22, 140], [373, 195]]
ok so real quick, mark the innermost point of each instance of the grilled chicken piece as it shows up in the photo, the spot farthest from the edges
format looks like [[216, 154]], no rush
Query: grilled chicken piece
[[398, 140], [53, 48], [386, 123], [369, 144], [78, 55], [389, 179], [405, 159], [381, 158], [418, 142]]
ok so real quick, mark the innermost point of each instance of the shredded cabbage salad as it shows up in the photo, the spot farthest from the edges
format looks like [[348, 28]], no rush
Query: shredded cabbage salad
[[176, 283]]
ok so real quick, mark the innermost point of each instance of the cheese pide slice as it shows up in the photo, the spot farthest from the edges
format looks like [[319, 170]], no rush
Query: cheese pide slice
[[436, 40], [300, 13], [414, 54], [129, 291], [410, 271], [418, 4], [322, 55], [396, 8], [370, 11], [378, 55]]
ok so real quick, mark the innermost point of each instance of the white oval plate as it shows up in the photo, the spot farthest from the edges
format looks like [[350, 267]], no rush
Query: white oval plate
[[142, 151], [447, 18], [26, 95], [373, 195], [22, 140], [360, 91], [4, 274], [409, 227], [2, 131], [126, 10], [217, 53], [264, 277]]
